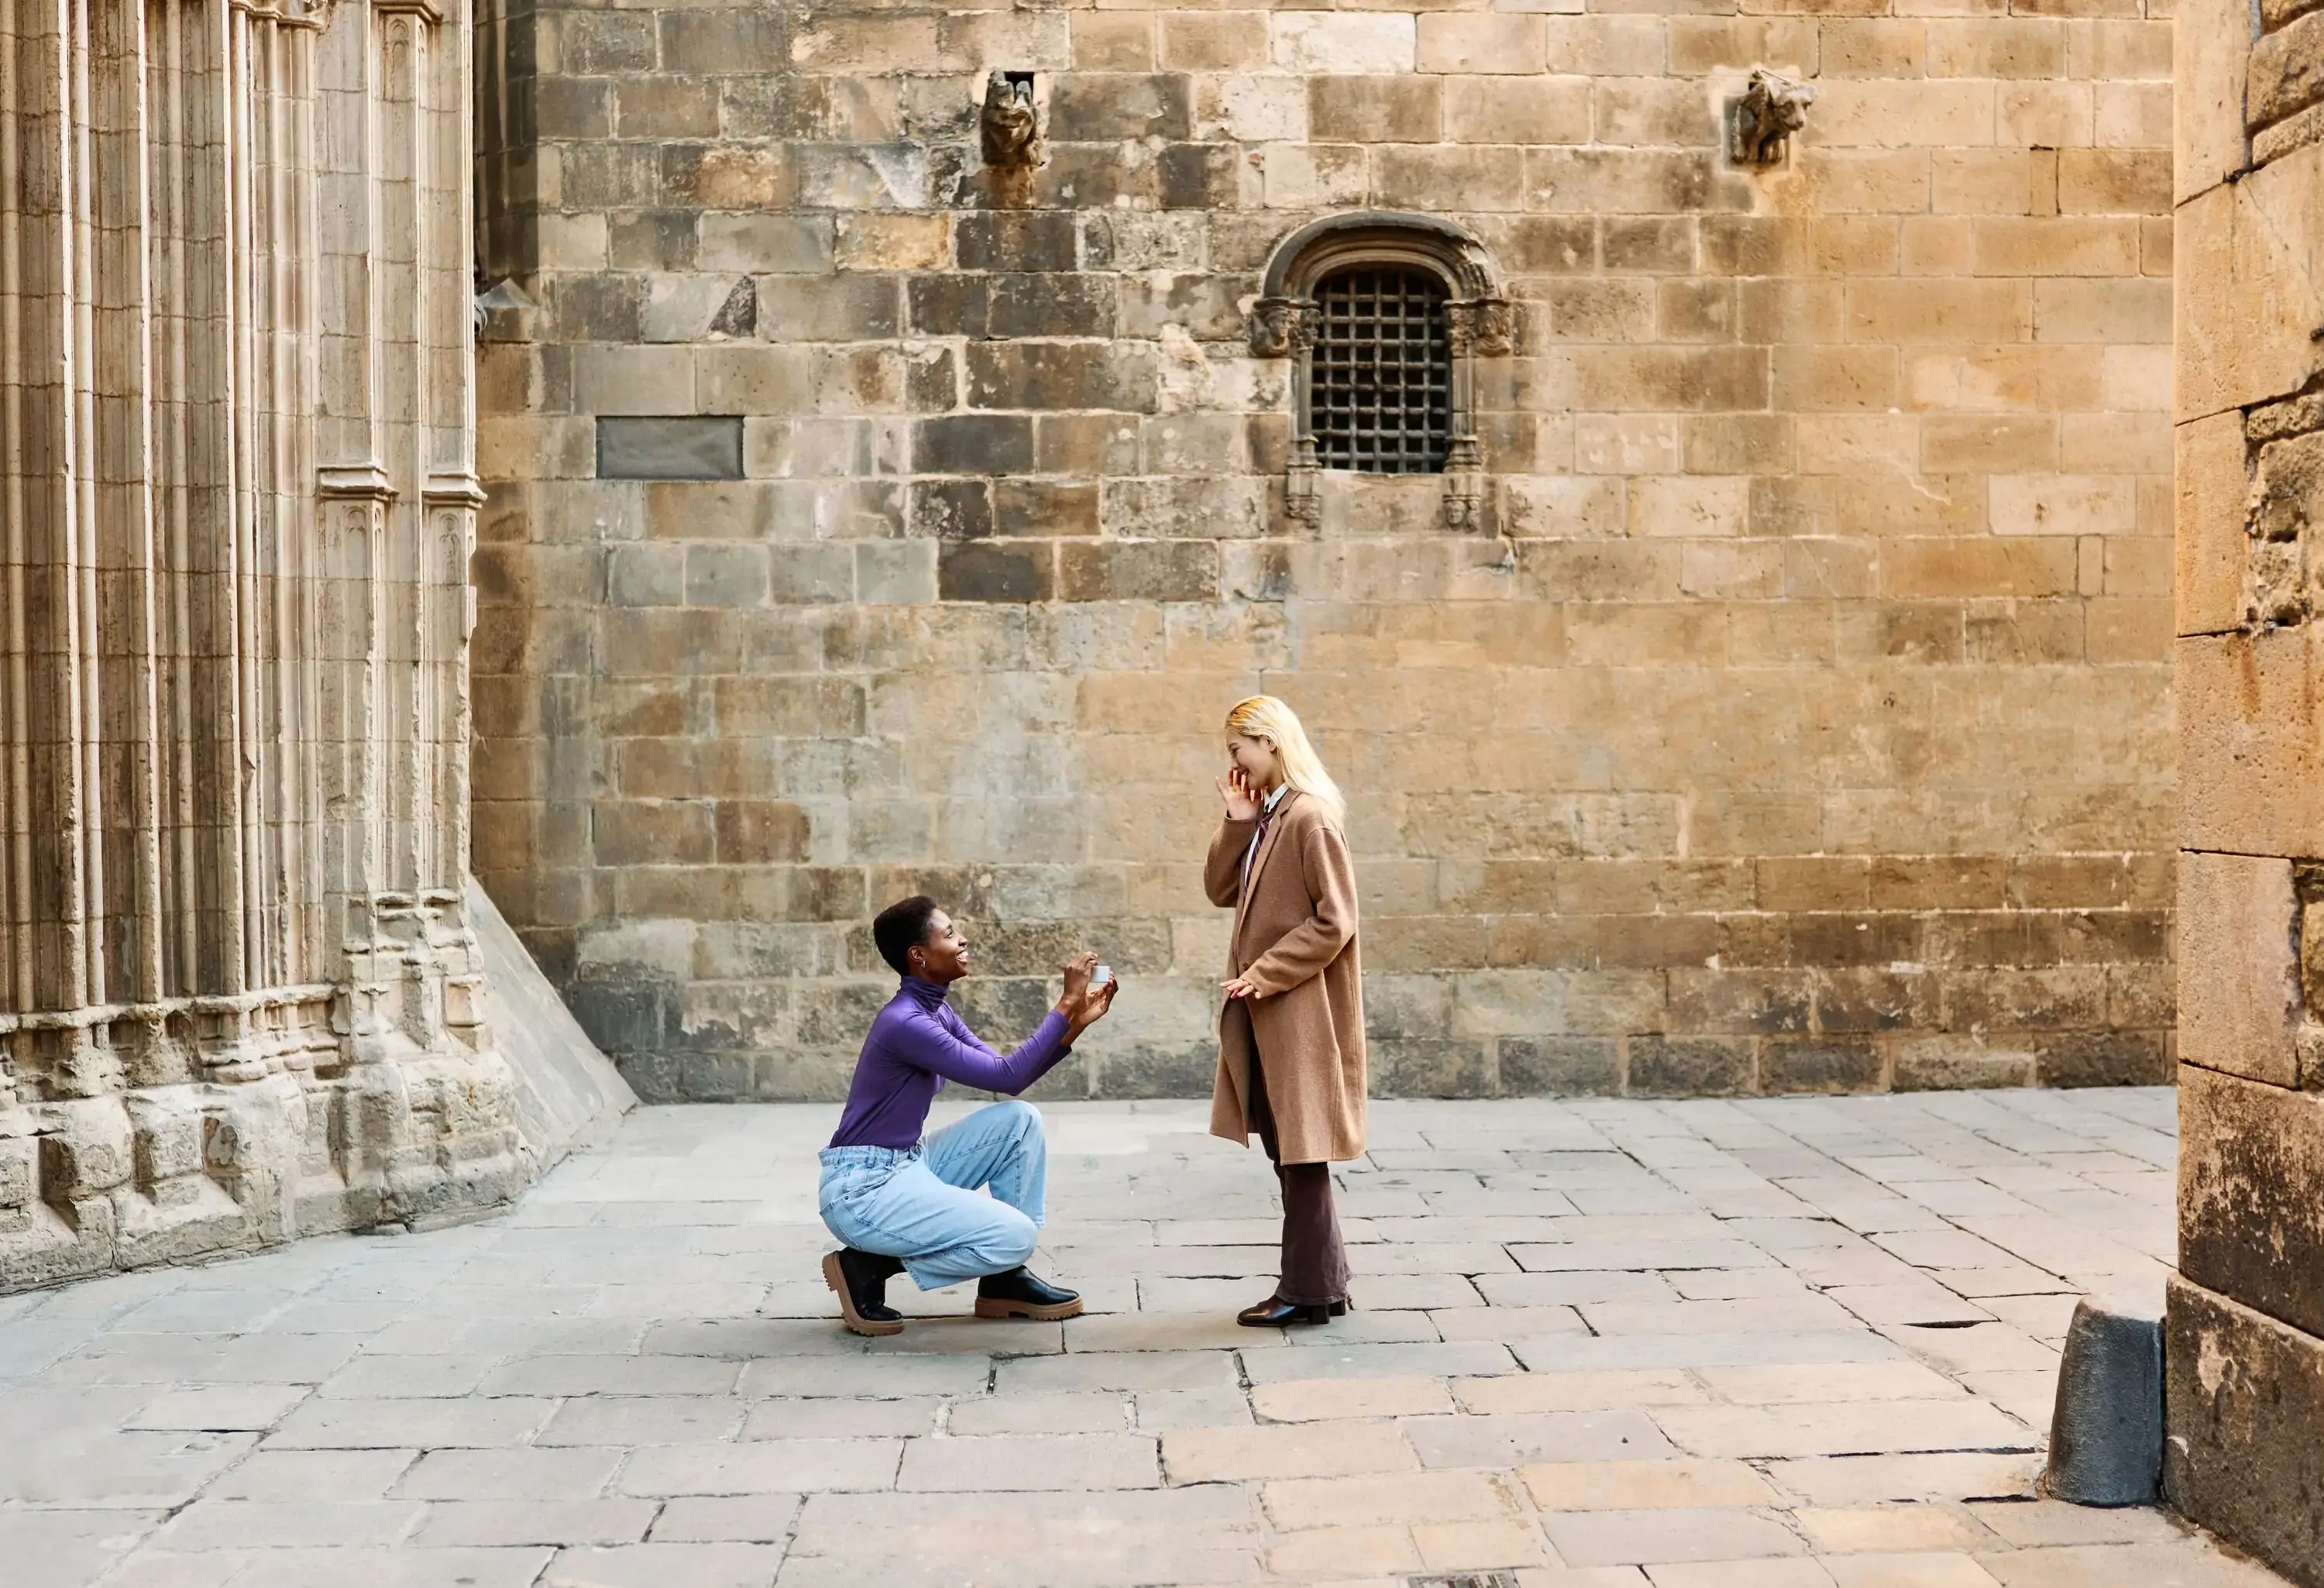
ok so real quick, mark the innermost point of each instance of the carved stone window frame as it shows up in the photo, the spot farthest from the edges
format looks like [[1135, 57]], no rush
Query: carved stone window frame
[[1479, 323]]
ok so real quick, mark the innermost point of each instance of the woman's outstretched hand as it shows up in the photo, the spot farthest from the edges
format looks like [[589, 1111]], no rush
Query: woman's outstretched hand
[[1098, 1000], [1243, 802], [1237, 987], [1078, 970]]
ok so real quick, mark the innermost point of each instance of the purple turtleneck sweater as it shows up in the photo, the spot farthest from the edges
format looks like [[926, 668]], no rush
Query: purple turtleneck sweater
[[917, 1044]]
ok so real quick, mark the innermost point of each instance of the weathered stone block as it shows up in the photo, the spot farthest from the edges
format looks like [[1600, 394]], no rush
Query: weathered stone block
[[2212, 482], [1944, 1062], [2245, 1394], [1015, 241], [2249, 1226], [1464, 178], [1151, 1070], [1197, 176], [982, 444], [763, 243], [2102, 1058], [651, 239], [725, 575], [2250, 271], [895, 573], [893, 242], [1105, 108], [665, 107], [574, 109], [1662, 1066], [1795, 1065], [1560, 1066], [595, 43], [1344, 41], [701, 512], [1060, 375], [658, 381], [2251, 766], [2286, 73], [1138, 571], [1052, 305], [870, 177], [950, 510], [2239, 967], [712, 42], [1385, 109], [789, 708], [1406, 1066], [809, 574], [2210, 68], [725, 176], [754, 832], [987, 570], [1044, 508], [830, 308]]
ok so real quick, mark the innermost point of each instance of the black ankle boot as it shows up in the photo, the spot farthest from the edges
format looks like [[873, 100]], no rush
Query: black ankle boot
[[1022, 1294], [1275, 1313], [861, 1280]]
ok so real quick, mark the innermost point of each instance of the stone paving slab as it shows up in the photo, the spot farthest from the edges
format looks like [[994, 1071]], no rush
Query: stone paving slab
[[1785, 1344]]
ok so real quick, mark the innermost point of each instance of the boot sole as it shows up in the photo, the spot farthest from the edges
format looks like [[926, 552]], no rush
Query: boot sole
[[993, 1307], [857, 1322]]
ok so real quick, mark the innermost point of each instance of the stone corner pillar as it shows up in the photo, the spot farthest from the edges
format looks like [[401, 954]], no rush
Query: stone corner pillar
[[2244, 1333]]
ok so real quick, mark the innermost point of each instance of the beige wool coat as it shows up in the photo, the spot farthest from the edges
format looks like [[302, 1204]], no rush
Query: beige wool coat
[[1295, 938]]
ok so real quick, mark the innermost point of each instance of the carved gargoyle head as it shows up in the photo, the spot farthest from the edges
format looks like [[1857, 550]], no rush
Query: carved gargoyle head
[[1772, 107], [1009, 125]]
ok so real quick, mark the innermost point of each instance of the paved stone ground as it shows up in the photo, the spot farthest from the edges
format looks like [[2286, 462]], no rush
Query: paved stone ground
[[1769, 1344]]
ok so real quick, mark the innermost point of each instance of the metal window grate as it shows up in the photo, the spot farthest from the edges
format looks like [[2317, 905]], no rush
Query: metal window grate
[[1380, 387]]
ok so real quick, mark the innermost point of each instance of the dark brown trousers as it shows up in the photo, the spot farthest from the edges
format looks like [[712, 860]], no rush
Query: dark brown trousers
[[1315, 1259]]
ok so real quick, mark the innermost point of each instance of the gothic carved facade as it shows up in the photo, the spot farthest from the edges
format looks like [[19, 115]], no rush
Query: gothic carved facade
[[238, 496]]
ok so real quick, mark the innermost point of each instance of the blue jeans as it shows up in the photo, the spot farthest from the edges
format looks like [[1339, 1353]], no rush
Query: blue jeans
[[921, 1203]]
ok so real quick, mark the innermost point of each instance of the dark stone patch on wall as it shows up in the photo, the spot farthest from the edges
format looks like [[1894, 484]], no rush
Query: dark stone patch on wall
[[673, 448]]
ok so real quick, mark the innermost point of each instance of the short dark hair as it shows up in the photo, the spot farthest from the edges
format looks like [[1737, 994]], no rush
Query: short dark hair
[[902, 927]]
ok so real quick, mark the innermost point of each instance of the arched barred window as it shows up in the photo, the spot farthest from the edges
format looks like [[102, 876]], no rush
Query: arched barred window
[[1383, 315], [1380, 391]]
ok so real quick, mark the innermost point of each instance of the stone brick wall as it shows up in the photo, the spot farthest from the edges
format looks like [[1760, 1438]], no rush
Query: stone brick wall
[[1794, 714], [2245, 1346]]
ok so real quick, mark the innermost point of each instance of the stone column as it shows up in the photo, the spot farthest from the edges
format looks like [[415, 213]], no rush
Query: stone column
[[238, 496], [2246, 1335]]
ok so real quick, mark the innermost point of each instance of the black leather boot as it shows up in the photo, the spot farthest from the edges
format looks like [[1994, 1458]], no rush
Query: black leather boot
[[861, 1280], [1021, 1293], [1275, 1313]]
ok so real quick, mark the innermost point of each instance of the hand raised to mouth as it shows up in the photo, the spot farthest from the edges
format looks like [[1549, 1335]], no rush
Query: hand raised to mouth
[[1242, 799]]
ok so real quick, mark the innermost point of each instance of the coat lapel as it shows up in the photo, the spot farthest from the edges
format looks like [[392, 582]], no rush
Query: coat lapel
[[1258, 860]]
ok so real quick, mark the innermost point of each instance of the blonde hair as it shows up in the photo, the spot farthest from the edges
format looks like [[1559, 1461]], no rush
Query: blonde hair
[[1263, 717]]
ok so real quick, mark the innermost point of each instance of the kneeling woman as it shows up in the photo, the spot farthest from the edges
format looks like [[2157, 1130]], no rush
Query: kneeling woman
[[1291, 1037], [905, 1205]]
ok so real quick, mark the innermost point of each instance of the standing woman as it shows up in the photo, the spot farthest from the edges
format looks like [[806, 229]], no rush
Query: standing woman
[[1291, 1037]]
